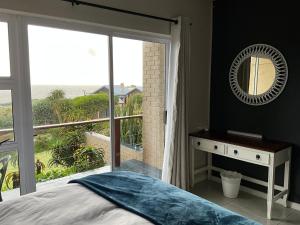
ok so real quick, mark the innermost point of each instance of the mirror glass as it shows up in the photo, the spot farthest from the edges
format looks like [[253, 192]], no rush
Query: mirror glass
[[256, 75]]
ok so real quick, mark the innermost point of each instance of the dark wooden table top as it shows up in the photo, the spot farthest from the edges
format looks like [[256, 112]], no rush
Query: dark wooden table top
[[249, 142]]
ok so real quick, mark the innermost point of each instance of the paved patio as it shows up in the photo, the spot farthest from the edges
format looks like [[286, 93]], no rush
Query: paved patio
[[129, 165]]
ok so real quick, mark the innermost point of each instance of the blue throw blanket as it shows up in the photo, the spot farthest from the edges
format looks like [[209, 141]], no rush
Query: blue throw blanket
[[160, 203]]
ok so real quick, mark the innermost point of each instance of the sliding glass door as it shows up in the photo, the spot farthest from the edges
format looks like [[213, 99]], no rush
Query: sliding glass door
[[139, 90], [75, 100]]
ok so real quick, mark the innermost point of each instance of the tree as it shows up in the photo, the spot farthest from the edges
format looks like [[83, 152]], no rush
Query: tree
[[56, 95], [56, 98], [80, 108], [43, 113]]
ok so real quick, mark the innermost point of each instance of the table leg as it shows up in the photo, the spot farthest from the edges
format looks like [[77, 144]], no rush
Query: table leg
[[209, 165], [287, 165], [192, 160], [270, 196]]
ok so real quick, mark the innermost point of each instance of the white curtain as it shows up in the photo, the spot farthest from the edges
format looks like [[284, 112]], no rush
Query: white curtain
[[176, 165]]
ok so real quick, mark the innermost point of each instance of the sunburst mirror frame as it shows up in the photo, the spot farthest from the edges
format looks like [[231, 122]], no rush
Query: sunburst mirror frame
[[281, 74]]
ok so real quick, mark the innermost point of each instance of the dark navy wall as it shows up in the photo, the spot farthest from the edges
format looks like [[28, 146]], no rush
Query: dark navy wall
[[238, 24]]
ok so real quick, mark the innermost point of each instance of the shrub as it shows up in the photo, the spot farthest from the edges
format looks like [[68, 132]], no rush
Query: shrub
[[64, 148], [87, 158], [92, 106], [6, 120], [39, 166], [101, 128], [43, 113], [42, 142], [54, 174], [12, 178]]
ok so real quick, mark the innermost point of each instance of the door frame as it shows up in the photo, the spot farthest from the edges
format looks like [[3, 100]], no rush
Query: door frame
[[19, 48], [22, 130]]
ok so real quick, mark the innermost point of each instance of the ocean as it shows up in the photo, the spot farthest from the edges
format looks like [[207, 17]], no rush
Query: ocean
[[43, 91]]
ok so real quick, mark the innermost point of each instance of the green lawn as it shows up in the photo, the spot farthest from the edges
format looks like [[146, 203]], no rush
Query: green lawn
[[47, 174], [42, 156]]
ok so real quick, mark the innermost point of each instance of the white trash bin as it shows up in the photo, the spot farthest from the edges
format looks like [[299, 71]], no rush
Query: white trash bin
[[231, 183]]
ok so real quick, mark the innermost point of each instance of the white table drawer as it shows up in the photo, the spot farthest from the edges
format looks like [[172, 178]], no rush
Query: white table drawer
[[209, 146], [246, 154]]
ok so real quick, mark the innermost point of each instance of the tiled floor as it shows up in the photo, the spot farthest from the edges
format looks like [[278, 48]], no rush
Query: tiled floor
[[247, 205], [140, 167]]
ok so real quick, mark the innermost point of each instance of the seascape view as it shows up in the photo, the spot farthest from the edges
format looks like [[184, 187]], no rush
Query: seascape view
[[42, 91]]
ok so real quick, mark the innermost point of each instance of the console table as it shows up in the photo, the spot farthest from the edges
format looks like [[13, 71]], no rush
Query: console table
[[252, 150]]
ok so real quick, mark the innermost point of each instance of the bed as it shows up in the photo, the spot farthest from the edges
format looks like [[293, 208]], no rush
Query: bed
[[116, 198]]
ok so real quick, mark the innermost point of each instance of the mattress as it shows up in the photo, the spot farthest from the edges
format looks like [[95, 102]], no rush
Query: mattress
[[116, 198], [68, 204]]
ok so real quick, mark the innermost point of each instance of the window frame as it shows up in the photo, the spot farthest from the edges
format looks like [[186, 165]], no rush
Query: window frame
[[20, 78], [14, 83]]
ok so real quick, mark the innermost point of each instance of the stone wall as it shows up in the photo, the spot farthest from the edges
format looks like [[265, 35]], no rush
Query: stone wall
[[99, 140], [153, 103]]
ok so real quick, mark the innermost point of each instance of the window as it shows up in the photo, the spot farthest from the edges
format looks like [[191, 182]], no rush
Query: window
[[55, 117], [68, 70], [4, 50], [6, 116]]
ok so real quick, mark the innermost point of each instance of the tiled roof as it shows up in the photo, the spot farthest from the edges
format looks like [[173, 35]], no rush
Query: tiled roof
[[120, 90]]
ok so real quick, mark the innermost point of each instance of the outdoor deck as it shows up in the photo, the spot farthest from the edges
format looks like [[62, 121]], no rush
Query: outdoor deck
[[129, 165]]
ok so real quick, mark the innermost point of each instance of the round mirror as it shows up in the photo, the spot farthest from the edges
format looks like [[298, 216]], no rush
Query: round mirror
[[258, 74]]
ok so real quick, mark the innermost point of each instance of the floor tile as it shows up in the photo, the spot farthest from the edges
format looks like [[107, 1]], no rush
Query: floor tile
[[249, 214], [211, 192], [258, 206], [247, 205], [293, 219]]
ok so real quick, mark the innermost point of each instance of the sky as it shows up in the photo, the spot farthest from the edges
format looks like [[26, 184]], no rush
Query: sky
[[72, 58], [64, 57], [4, 52]]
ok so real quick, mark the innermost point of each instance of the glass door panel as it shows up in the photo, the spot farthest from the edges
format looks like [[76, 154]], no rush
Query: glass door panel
[[139, 81], [70, 104], [6, 117], [9, 175]]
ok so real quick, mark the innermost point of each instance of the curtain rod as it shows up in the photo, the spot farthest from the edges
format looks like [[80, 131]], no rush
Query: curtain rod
[[76, 2]]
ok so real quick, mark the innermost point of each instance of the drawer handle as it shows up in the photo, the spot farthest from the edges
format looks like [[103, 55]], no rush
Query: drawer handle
[[216, 147], [199, 143], [258, 157], [235, 152]]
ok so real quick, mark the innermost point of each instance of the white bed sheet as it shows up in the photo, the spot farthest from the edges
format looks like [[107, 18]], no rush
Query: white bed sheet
[[68, 204]]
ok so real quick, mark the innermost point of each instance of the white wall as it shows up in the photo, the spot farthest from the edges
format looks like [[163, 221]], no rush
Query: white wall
[[200, 11]]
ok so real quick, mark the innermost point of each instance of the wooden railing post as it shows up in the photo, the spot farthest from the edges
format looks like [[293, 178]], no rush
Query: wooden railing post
[[117, 142]]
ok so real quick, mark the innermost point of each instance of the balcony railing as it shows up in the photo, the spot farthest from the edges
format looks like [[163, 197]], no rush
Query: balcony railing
[[117, 130]]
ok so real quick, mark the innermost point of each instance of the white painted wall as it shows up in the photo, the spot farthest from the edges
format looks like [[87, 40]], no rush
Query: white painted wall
[[200, 11]]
